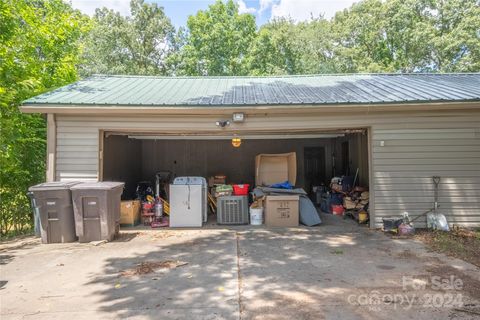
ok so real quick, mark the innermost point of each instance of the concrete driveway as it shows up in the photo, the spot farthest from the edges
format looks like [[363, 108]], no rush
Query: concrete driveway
[[335, 271]]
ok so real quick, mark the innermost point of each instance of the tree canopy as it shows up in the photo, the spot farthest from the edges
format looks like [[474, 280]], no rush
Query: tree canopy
[[408, 36], [370, 36], [39, 50], [217, 41], [137, 44]]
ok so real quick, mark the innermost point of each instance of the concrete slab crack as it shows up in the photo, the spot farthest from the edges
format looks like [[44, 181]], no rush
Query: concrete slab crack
[[239, 278]]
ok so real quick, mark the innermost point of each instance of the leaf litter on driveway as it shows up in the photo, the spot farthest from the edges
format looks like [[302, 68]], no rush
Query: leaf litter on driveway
[[148, 267]]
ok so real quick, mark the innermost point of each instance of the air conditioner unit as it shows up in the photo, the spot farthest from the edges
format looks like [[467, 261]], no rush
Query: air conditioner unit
[[232, 210]]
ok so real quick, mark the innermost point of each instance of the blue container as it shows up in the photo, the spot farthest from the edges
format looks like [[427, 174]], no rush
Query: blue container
[[325, 205], [336, 198]]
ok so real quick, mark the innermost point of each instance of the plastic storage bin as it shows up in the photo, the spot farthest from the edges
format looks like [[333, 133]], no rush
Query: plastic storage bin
[[240, 189], [97, 210], [232, 210], [53, 200]]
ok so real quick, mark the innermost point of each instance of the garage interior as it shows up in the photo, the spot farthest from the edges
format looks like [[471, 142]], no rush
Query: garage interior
[[135, 157]]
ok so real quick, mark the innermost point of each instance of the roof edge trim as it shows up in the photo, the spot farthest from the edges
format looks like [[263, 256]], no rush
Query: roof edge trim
[[109, 109]]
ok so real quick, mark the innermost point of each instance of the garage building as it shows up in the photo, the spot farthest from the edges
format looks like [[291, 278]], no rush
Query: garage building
[[397, 130]]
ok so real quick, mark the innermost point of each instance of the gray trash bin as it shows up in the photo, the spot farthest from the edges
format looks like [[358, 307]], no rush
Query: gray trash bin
[[53, 200], [96, 208]]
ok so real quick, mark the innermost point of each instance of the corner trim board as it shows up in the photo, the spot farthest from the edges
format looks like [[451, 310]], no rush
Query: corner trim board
[[51, 147]]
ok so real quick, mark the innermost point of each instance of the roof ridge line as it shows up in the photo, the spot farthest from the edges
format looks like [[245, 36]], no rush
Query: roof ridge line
[[280, 76]]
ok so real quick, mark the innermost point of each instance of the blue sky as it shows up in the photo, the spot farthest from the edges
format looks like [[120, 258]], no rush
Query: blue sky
[[264, 10]]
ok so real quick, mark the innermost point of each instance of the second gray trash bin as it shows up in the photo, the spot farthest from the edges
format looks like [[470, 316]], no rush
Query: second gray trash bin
[[53, 201], [96, 208]]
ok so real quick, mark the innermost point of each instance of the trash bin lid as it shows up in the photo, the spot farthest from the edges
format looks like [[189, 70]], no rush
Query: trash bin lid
[[55, 185], [104, 185]]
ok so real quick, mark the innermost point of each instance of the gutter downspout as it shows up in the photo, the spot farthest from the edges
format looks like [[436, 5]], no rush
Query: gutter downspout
[[51, 147]]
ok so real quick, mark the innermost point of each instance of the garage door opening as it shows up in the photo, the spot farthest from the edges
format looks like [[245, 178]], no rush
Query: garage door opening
[[133, 157]]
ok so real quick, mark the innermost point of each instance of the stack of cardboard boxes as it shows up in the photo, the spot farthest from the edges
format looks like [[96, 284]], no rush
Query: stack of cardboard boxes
[[280, 210]]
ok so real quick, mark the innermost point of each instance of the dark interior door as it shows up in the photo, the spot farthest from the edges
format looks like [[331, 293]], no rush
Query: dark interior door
[[345, 159], [314, 166]]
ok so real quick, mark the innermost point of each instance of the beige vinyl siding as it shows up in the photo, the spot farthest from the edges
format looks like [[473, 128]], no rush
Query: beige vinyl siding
[[403, 169], [418, 145]]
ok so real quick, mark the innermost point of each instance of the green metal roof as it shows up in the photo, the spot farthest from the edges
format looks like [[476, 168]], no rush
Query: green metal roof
[[132, 91]]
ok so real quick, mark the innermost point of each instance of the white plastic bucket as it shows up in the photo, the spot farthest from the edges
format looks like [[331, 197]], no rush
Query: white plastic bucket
[[256, 216]]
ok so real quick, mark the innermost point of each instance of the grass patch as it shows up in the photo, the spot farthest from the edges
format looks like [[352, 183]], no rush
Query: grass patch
[[18, 234], [460, 243]]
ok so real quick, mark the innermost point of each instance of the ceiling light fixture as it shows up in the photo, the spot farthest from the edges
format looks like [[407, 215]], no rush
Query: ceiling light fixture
[[238, 117], [236, 142]]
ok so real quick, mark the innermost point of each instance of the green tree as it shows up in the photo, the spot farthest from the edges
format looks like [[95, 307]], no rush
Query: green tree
[[408, 36], [273, 51], [360, 38], [176, 64], [39, 50], [217, 41], [405, 34], [285, 47], [370, 36], [454, 37], [139, 44], [315, 45]]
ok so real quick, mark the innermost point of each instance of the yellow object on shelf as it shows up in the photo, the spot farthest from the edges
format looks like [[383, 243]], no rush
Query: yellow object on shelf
[[166, 206], [362, 216]]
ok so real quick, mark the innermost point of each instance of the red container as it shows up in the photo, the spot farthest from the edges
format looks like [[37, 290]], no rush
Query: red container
[[240, 189], [338, 209], [147, 206]]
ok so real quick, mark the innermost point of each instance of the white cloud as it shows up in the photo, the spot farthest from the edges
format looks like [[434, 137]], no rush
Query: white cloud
[[264, 5], [300, 10], [242, 7], [89, 6]]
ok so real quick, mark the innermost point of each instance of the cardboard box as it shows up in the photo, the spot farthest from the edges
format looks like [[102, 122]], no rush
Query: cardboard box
[[275, 168], [281, 211], [219, 179], [130, 212]]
